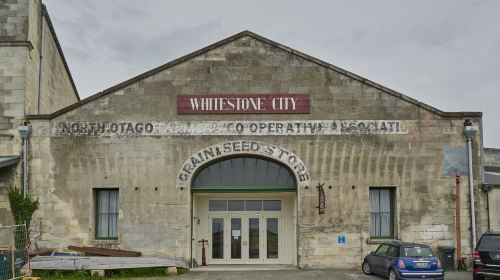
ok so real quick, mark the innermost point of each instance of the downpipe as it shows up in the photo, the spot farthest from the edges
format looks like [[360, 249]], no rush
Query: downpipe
[[471, 190], [25, 167]]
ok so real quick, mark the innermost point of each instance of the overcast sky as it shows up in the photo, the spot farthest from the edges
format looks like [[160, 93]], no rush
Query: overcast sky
[[443, 53]]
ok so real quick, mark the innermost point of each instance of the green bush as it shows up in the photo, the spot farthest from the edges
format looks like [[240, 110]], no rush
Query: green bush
[[22, 209]]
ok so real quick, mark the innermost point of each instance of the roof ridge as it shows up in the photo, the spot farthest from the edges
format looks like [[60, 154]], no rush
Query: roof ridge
[[267, 41]]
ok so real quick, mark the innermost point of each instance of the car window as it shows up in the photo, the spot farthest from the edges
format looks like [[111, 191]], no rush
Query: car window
[[417, 252], [489, 242], [382, 250], [393, 251]]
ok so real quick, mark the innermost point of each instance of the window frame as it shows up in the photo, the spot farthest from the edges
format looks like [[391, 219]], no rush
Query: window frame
[[394, 251], [377, 251], [96, 213], [392, 207]]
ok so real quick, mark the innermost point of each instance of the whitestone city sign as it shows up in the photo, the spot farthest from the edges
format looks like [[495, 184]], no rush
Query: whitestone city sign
[[204, 104]]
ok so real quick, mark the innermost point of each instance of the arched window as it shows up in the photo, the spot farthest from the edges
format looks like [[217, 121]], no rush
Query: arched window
[[241, 174]]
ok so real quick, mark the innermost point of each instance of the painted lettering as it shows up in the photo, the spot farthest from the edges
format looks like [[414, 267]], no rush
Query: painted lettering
[[209, 153], [285, 127], [195, 161], [188, 168], [269, 149], [239, 128], [226, 147], [183, 177], [253, 127], [148, 127]]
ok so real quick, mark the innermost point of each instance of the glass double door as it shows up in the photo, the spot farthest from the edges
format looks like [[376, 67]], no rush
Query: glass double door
[[245, 239]]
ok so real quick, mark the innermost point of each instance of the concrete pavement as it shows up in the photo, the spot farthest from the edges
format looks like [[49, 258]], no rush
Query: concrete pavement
[[299, 274]]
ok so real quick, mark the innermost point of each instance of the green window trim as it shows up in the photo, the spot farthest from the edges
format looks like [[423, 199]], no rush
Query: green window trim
[[241, 189], [392, 198], [111, 215]]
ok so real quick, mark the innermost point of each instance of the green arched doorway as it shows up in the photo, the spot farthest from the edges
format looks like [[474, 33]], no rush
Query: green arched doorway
[[245, 206], [244, 174]]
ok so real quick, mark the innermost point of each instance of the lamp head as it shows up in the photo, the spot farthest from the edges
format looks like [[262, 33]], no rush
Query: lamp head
[[24, 130], [469, 129]]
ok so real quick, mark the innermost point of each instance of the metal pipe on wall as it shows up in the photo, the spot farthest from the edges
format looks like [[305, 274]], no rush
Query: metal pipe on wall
[[25, 167], [471, 190], [458, 229], [25, 131], [470, 131]]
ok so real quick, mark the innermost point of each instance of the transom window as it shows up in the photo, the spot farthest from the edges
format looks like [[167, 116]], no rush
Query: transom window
[[244, 205], [244, 174]]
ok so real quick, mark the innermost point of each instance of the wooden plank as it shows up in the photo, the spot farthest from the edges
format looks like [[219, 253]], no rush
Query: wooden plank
[[42, 251], [105, 251], [103, 263]]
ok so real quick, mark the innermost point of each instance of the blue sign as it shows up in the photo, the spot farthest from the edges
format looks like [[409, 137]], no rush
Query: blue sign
[[341, 239]]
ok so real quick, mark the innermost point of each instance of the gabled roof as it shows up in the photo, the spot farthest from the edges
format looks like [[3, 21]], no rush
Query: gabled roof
[[266, 41], [45, 13]]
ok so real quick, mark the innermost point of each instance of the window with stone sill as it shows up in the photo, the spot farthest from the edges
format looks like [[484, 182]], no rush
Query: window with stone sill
[[106, 227]]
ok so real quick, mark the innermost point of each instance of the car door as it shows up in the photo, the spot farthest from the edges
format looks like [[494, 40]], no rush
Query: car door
[[379, 259], [392, 257]]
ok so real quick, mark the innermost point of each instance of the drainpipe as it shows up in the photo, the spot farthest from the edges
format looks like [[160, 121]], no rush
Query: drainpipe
[[458, 230], [470, 131], [24, 131], [481, 148], [41, 49]]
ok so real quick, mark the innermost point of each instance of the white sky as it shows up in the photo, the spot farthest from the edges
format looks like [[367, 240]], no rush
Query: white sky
[[444, 53]]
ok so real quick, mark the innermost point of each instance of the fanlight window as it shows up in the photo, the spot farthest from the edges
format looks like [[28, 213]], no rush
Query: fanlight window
[[244, 173]]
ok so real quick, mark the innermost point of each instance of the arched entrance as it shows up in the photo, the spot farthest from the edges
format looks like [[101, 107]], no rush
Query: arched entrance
[[245, 205]]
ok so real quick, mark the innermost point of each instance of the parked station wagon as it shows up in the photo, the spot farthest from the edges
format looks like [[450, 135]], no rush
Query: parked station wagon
[[487, 256]]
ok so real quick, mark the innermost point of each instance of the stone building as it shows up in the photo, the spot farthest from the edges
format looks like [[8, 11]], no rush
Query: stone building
[[34, 79], [492, 186], [263, 153]]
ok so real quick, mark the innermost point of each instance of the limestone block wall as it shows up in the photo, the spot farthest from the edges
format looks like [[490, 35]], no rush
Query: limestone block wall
[[14, 20], [12, 87], [491, 157], [14, 48], [57, 88], [20, 37]]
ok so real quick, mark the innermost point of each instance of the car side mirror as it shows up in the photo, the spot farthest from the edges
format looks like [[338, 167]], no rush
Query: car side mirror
[[372, 253]]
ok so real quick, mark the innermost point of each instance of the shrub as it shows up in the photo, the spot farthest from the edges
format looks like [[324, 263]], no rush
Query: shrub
[[22, 209]]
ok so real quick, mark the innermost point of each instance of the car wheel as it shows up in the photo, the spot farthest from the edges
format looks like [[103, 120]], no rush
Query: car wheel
[[477, 276], [393, 275], [367, 269]]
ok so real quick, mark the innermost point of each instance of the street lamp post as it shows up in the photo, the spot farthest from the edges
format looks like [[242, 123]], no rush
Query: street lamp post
[[470, 131], [25, 131]]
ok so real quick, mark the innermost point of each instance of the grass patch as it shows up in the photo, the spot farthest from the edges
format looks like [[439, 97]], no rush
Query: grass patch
[[62, 274], [110, 274]]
